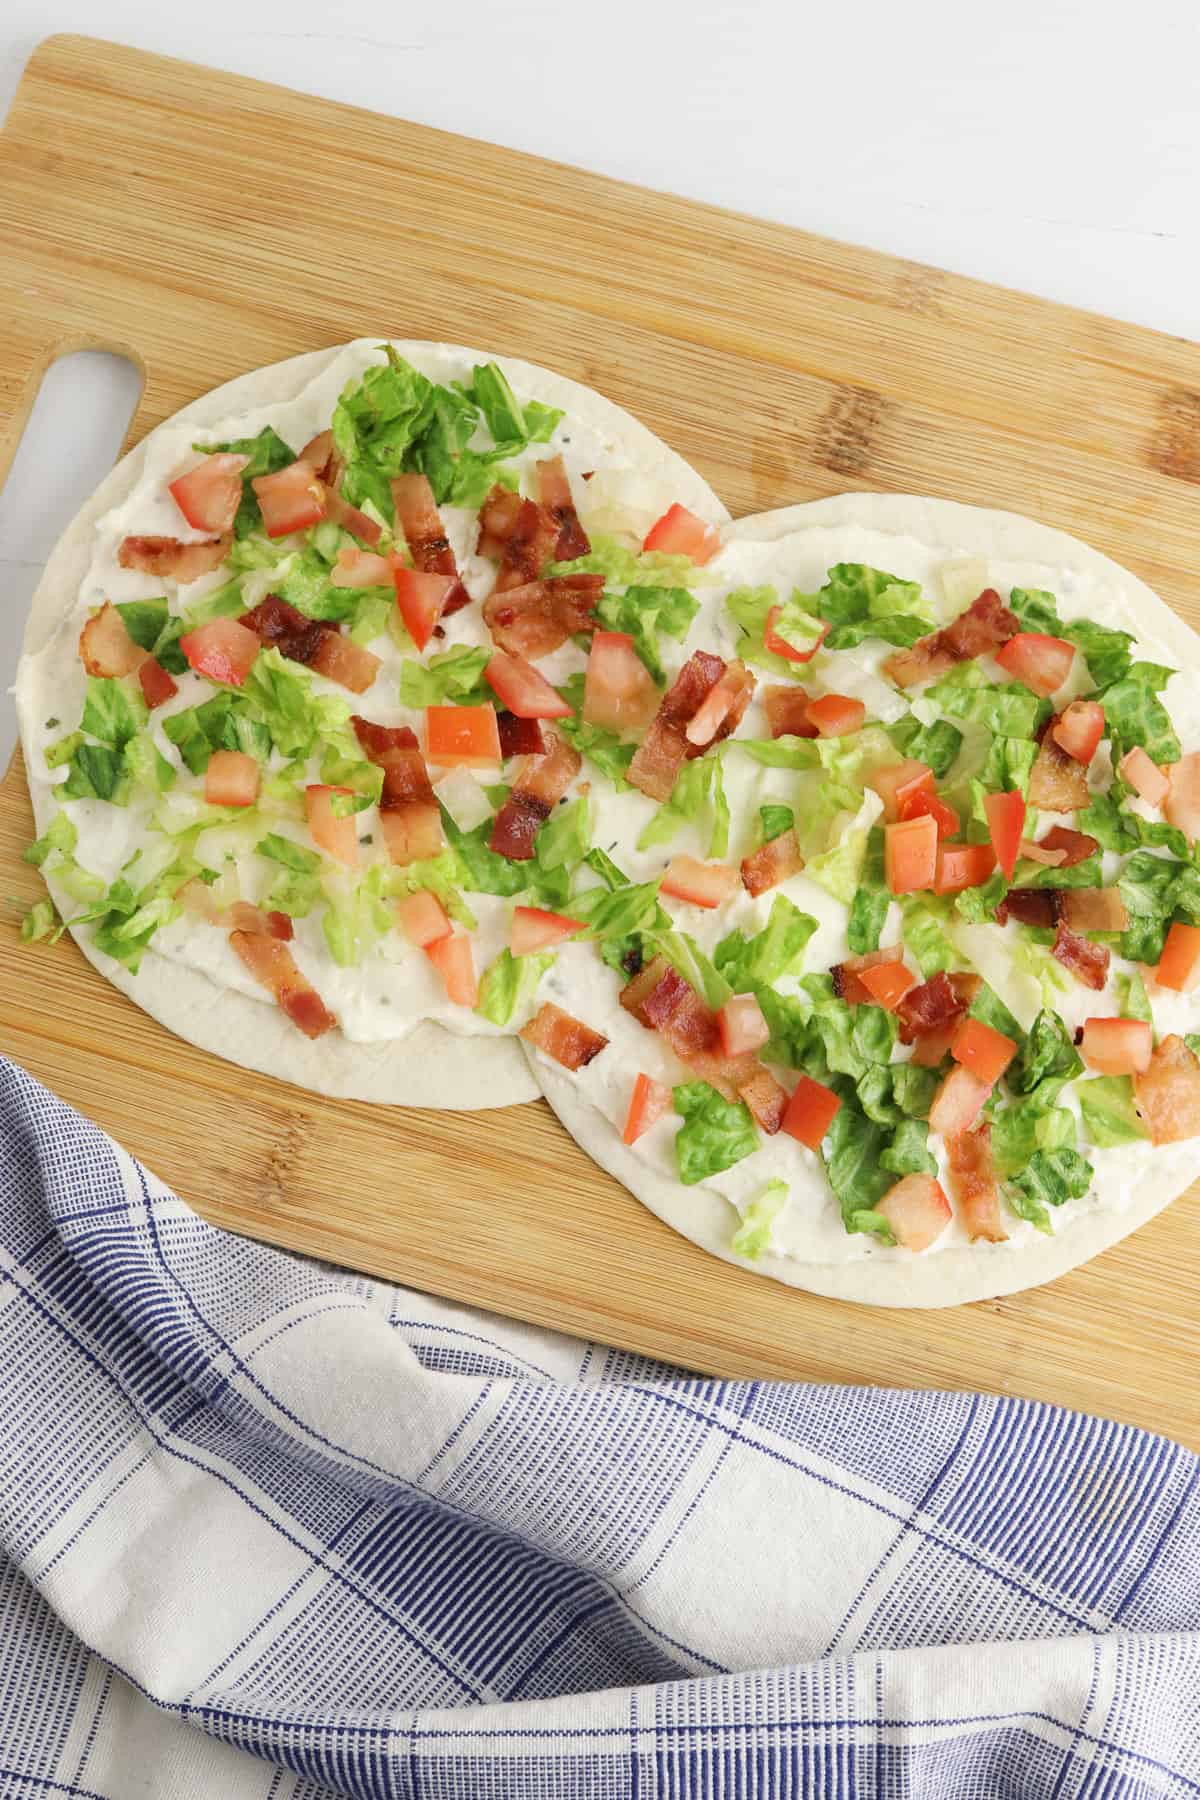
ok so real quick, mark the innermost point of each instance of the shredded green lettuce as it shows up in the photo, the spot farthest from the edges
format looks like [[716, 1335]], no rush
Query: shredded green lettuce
[[716, 1133], [647, 613], [1135, 715], [775, 951], [937, 745], [872, 898], [1109, 1114], [456, 675], [697, 797], [1007, 708], [753, 1235], [509, 985]]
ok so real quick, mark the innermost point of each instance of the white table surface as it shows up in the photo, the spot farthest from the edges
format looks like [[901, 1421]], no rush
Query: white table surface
[[1032, 144]]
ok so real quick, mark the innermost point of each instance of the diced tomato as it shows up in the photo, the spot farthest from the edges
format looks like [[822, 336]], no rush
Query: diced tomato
[[1168, 1094], [420, 599], [910, 855], [1117, 1046], [340, 659], [454, 961], [887, 983], [157, 686], [1006, 823], [231, 778], [962, 866], [1041, 662], [810, 1112], [899, 783], [523, 689], [983, 1050], [779, 646], [1182, 805], [223, 650], [618, 689], [105, 647], [356, 568], [1147, 780], [649, 1101], [1079, 728], [680, 533], [330, 832], [787, 711], [742, 1026], [958, 1102], [1179, 964], [836, 715], [847, 976], [533, 929], [423, 919], [704, 884], [917, 1211], [209, 496], [920, 803], [464, 735], [290, 500]]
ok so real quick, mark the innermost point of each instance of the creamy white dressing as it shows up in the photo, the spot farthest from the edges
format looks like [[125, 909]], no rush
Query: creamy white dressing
[[809, 1227]]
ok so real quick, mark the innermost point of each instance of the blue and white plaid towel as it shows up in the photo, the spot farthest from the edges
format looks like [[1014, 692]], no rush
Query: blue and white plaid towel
[[271, 1532]]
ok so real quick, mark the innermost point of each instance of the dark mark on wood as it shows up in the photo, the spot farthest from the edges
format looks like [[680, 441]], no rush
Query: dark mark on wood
[[847, 428], [282, 1157], [1176, 447]]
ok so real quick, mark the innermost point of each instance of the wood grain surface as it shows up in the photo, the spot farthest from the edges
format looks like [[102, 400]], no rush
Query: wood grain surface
[[204, 224]]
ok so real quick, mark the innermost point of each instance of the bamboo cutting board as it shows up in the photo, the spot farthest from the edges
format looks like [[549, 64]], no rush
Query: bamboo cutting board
[[203, 224]]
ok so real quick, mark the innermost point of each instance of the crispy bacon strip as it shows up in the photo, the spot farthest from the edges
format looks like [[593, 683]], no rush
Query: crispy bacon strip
[[312, 642], [660, 999], [1088, 962], [528, 547], [105, 647], [408, 810], [533, 620], [1093, 909], [1029, 906], [172, 560], [929, 1007], [244, 917], [533, 798], [497, 517], [270, 961], [554, 493], [340, 512], [519, 737], [1076, 846], [775, 862], [566, 1039], [985, 625], [320, 453], [665, 748], [787, 711], [1057, 782], [972, 1179], [766, 1098], [421, 522], [1168, 1094]]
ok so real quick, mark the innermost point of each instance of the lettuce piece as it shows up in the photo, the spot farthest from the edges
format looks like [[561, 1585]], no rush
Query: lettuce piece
[[511, 423], [1007, 708], [839, 869], [684, 954], [40, 921], [565, 838], [622, 567], [1034, 1123], [646, 613], [295, 893], [715, 1134], [1086, 874], [98, 772], [112, 712], [777, 950], [1105, 651], [773, 821], [616, 913], [1037, 609], [841, 1039], [268, 454], [357, 916], [978, 905], [60, 837], [924, 934], [604, 748], [937, 745], [60, 753], [908, 1152], [1109, 1114], [1051, 1178], [1046, 1051], [281, 693], [1037, 962], [1153, 888], [483, 871], [79, 883], [1107, 821], [509, 985], [288, 854], [223, 723], [913, 1088], [455, 676], [376, 423], [146, 622], [749, 608], [753, 1235], [862, 602], [1133, 1002], [852, 1153], [146, 766], [1008, 764], [872, 898], [1135, 715], [699, 791]]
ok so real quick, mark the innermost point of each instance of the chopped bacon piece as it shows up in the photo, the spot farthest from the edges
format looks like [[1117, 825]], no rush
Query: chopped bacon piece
[[1088, 962], [1168, 1094], [554, 492], [1117, 1046], [421, 523], [209, 495], [662, 1000], [244, 917], [321, 455], [972, 1176], [340, 659], [358, 524], [1037, 853], [497, 519], [680, 533], [1058, 783], [533, 798], [648, 1102], [787, 712], [272, 963], [171, 560], [535, 619], [985, 625], [1029, 906], [930, 1007], [917, 1210], [775, 862], [1182, 804], [766, 1098], [408, 812], [567, 1040], [846, 975], [106, 648], [1093, 909], [519, 737], [1076, 846], [528, 547], [664, 749], [618, 689], [312, 642], [958, 1102], [157, 686], [1145, 777]]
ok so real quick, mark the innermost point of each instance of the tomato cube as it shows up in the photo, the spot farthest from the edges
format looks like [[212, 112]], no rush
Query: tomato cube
[[1041, 662], [887, 983], [423, 919], [703, 884], [1079, 728], [899, 783], [810, 1112], [917, 1210], [290, 500], [1117, 1046], [958, 1102], [649, 1101], [983, 1050], [453, 959], [467, 736], [836, 715], [1147, 780], [680, 533], [209, 496], [962, 866], [224, 650], [535, 929], [780, 646], [1179, 964], [523, 689], [335, 833], [420, 598], [910, 853], [231, 778], [742, 1026]]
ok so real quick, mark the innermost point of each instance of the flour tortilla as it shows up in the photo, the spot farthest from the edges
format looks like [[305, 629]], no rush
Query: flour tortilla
[[952, 1276], [432, 1067]]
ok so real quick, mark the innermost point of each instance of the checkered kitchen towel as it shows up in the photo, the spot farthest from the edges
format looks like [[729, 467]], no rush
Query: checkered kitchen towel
[[267, 1531]]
